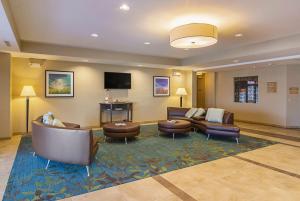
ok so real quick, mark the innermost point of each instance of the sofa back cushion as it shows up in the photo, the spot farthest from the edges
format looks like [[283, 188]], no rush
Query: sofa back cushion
[[176, 111], [215, 115]]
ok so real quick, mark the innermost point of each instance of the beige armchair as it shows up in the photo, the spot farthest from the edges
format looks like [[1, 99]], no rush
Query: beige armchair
[[71, 144]]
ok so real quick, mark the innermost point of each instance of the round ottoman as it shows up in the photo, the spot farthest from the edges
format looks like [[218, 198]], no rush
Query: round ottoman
[[179, 127], [128, 130]]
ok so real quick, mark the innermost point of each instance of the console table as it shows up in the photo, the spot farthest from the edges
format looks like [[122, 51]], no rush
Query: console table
[[115, 106]]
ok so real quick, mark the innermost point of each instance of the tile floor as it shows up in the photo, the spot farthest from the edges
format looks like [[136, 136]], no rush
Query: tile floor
[[270, 173]]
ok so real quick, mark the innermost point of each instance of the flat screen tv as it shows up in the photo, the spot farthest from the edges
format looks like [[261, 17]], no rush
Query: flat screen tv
[[117, 80]]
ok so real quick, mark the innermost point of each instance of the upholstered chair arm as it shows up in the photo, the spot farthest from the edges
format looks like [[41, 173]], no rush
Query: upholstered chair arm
[[71, 125]]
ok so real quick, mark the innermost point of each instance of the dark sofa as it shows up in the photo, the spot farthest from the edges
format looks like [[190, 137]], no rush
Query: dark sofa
[[226, 128]]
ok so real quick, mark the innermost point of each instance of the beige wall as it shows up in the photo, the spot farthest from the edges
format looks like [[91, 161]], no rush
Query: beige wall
[[271, 107], [5, 96], [293, 100], [89, 91]]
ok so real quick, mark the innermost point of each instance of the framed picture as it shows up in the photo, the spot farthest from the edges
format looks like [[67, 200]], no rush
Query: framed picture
[[294, 90], [59, 83], [161, 86], [271, 87]]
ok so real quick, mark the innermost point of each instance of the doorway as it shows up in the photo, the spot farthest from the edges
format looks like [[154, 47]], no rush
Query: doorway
[[201, 90]]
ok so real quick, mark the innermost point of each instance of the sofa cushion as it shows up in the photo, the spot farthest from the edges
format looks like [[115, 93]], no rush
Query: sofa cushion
[[57, 123], [199, 113], [191, 112], [219, 126], [222, 133], [215, 115], [48, 118], [198, 118], [179, 118]]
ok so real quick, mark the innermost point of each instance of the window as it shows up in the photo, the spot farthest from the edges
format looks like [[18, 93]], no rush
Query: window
[[246, 89]]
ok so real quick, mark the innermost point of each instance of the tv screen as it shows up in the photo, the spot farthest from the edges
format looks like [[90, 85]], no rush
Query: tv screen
[[117, 80]]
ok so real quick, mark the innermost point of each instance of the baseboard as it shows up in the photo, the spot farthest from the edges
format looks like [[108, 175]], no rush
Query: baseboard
[[293, 127], [260, 123], [5, 138], [267, 124]]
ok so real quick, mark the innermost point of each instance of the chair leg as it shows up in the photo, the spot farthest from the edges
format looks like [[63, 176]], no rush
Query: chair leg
[[237, 140], [47, 164], [173, 136], [125, 140], [87, 170], [158, 133], [104, 138], [208, 135]]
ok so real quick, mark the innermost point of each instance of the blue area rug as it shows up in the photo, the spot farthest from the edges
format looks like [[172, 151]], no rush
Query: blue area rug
[[117, 163]]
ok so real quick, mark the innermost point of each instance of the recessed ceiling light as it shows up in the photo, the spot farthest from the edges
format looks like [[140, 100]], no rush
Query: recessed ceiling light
[[85, 60], [94, 35], [140, 65], [147, 43], [124, 7], [236, 60], [238, 35]]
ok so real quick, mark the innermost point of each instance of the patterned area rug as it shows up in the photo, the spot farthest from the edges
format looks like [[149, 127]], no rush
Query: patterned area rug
[[117, 163]]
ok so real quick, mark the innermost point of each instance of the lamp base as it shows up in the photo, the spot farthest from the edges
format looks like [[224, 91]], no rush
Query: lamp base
[[180, 101], [27, 114]]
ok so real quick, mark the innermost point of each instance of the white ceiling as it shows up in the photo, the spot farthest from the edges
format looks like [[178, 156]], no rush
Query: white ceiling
[[70, 23]]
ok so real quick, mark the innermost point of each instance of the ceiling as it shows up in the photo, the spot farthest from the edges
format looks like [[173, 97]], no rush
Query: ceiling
[[71, 22]]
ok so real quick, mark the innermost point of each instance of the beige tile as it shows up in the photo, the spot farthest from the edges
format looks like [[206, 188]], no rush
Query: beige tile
[[271, 138], [8, 150], [275, 130], [145, 190], [279, 156], [110, 194], [233, 179]]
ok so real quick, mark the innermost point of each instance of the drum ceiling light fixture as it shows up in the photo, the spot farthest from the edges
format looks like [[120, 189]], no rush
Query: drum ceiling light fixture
[[194, 35]]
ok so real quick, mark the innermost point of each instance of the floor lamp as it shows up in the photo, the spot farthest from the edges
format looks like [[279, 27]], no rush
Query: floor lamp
[[181, 92], [27, 92]]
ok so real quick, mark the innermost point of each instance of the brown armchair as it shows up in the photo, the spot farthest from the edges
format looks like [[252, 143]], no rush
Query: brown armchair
[[69, 144]]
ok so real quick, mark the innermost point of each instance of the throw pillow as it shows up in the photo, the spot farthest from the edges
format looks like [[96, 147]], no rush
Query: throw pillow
[[58, 123], [199, 113], [191, 112], [215, 115], [48, 118]]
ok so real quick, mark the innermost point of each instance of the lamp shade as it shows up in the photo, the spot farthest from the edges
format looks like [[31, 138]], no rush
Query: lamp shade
[[28, 91], [194, 35], [181, 92]]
